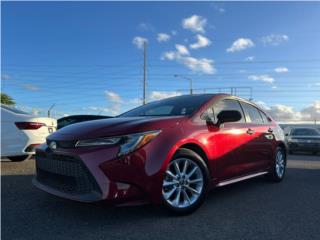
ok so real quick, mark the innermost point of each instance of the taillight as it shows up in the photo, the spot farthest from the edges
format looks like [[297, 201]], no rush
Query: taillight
[[29, 125]]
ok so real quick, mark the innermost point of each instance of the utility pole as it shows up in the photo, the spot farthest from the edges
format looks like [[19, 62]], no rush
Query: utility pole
[[144, 72]]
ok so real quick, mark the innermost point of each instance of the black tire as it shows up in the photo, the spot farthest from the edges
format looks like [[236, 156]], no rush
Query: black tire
[[195, 158], [19, 158], [273, 175]]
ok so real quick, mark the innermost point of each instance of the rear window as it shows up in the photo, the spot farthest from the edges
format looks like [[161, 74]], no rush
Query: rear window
[[304, 132]]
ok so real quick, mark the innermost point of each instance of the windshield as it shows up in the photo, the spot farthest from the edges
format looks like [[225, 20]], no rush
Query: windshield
[[305, 132], [14, 110], [177, 106]]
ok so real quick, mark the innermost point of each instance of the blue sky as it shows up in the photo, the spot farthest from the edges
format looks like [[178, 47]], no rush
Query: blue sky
[[82, 56]]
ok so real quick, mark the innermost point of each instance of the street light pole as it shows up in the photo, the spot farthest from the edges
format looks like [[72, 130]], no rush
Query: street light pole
[[49, 110], [187, 78]]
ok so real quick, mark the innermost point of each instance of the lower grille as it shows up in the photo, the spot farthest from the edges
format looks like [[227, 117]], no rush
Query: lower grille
[[66, 174]]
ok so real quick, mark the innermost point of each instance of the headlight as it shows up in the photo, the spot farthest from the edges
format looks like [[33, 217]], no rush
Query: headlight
[[127, 143]]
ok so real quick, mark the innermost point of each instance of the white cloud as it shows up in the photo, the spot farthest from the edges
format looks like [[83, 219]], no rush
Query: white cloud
[[249, 59], [218, 8], [262, 105], [281, 112], [171, 55], [281, 70], [182, 50], [139, 41], [221, 10], [116, 102], [240, 44], [182, 56], [163, 37], [312, 112], [274, 39], [201, 65], [30, 87], [100, 110], [195, 23], [157, 95], [263, 78], [145, 27], [113, 97], [202, 41]]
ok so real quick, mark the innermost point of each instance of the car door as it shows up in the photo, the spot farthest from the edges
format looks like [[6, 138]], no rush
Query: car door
[[258, 151], [228, 142]]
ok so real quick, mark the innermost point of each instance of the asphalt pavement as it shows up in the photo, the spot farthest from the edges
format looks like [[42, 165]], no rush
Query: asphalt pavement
[[254, 209]]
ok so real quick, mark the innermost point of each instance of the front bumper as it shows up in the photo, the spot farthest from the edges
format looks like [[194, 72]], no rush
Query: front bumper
[[95, 174]]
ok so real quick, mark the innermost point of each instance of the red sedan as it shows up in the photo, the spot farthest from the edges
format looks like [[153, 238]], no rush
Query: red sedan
[[170, 151]]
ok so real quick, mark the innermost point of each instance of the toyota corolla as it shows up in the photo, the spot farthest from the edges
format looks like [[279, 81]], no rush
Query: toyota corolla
[[168, 152]]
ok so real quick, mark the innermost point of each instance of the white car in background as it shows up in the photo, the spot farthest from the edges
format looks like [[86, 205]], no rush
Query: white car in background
[[21, 133]]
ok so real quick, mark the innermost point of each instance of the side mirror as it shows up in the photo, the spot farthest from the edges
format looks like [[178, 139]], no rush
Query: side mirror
[[228, 116], [287, 134]]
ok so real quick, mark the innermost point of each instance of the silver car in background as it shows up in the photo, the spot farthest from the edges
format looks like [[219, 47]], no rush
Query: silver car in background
[[303, 139]]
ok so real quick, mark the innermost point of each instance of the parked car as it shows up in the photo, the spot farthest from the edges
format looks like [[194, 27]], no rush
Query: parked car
[[65, 121], [170, 151], [304, 140], [21, 133]]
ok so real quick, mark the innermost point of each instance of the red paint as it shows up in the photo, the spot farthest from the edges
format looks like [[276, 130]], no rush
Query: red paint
[[229, 150]]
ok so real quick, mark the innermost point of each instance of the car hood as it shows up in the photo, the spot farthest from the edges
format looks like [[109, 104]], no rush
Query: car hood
[[114, 127]]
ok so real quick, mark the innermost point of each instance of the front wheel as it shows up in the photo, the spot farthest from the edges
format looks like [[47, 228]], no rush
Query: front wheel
[[185, 182], [279, 165]]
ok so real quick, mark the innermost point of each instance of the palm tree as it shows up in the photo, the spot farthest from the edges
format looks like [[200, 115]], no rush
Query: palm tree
[[6, 99]]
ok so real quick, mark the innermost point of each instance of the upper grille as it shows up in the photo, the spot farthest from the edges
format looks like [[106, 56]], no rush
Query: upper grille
[[65, 173]]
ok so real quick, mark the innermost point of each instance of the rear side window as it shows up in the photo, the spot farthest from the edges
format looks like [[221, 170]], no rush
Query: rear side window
[[264, 117], [252, 113], [228, 104]]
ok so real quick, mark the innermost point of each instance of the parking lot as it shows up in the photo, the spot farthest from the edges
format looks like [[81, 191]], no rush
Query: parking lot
[[255, 209]]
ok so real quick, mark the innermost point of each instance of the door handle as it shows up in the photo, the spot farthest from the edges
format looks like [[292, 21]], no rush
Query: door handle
[[270, 130], [250, 131]]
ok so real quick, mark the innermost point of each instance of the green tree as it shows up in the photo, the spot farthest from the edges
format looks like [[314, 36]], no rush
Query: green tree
[[6, 99]]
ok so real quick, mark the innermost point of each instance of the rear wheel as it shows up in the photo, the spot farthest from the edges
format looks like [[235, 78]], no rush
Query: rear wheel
[[279, 165], [19, 158], [185, 182]]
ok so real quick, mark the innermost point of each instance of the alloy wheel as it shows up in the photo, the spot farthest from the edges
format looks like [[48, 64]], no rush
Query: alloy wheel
[[183, 183], [280, 164]]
